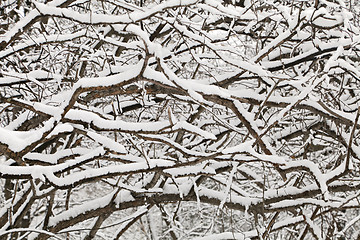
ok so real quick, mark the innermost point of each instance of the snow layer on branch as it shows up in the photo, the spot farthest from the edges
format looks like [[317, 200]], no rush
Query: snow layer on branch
[[104, 124], [19, 27], [77, 177], [246, 147], [83, 208], [191, 128], [44, 170], [19, 140], [191, 170], [95, 18], [39, 41], [320, 178], [107, 142], [304, 201], [228, 235], [110, 80], [53, 158]]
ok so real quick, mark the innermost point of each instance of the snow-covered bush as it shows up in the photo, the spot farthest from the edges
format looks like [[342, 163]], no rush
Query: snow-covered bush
[[179, 119]]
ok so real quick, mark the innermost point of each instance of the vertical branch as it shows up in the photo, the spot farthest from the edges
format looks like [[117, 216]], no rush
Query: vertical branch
[[347, 163]]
